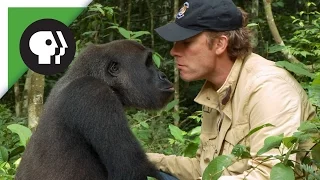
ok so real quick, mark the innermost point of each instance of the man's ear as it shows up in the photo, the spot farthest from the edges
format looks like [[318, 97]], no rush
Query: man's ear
[[221, 44]]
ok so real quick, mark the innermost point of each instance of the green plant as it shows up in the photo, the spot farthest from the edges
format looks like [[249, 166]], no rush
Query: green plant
[[308, 167], [13, 139]]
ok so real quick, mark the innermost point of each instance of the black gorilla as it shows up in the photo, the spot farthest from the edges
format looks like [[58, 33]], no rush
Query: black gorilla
[[83, 132]]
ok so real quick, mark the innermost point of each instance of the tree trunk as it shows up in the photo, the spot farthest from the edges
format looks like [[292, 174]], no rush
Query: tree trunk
[[129, 14], [274, 31], [151, 23], [35, 99], [176, 72], [26, 89], [255, 29], [17, 97]]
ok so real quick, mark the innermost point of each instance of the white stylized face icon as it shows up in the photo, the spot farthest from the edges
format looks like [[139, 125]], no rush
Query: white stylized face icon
[[44, 45]]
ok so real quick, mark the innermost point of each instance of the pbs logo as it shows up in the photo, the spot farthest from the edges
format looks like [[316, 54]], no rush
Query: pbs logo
[[47, 46]]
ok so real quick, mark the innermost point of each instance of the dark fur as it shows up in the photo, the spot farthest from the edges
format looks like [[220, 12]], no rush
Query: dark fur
[[83, 132]]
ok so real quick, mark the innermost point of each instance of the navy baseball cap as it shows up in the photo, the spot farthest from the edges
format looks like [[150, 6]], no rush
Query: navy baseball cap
[[195, 16]]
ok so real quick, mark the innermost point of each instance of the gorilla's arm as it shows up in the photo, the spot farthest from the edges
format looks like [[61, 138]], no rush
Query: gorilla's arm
[[99, 116]]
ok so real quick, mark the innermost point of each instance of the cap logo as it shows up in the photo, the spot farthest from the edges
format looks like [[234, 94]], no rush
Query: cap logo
[[182, 10]]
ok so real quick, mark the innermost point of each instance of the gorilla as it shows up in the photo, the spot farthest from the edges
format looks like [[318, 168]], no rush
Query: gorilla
[[83, 132]]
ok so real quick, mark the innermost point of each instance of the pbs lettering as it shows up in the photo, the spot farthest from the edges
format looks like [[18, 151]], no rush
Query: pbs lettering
[[44, 45]]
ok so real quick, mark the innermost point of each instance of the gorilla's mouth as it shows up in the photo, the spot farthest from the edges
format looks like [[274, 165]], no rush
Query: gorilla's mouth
[[168, 89]]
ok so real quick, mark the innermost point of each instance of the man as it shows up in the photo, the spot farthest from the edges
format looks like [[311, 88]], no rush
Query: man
[[242, 90]]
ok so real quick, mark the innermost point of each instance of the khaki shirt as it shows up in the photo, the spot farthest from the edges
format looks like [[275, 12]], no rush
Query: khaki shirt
[[255, 92]]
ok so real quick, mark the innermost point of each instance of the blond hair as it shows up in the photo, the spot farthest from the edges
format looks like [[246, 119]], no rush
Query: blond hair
[[239, 44]]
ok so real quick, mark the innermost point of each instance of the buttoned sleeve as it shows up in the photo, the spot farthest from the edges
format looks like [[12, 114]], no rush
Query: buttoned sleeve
[[183, 168], [277, 100]]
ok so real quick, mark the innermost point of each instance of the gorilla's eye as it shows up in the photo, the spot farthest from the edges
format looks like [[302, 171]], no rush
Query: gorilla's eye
[[113, 68]]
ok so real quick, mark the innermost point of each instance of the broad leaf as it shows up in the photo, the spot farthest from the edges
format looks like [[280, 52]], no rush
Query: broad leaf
[[156, 59], [139, 33], [316, 153], [295, 68], [23, 132], [275, 48], [216, 167], [270, 143], [195, 131], [281, 172], [171, 105], [4, 155], [125, 33], [191, 150], [177, 133], [289, 141], [308, 127], [314, 90], [241, 151]]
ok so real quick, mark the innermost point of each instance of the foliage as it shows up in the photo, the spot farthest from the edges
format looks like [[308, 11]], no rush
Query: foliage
[[13, 139], [307, 167]]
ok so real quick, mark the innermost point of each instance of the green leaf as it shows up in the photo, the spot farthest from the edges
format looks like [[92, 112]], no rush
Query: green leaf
[[138, 34], [144, 124], [156, 59], [4, 155], [295, 68], [191, 150], [216, 167], [275, 48], [101, 10], [125, 33], [23, 132], [314, 91], [281, 172], [316, 153], [177, 133], [171, 105], [176, 116], [17, 151], [195, 131], [289, 141], [252, 24], [270, 143], [241, 151], [308, 127], [257, 129]]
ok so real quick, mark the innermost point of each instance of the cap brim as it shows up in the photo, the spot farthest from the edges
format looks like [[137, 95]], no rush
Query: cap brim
[[173, 32]]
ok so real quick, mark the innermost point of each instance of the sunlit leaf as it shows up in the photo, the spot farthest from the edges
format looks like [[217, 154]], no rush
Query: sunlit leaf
[[216, 167], [289, 141], [4, 155], [241, 151], [295, 68], [23, 132], [270, 143], [177, 133], [156, 59], [281, 172]]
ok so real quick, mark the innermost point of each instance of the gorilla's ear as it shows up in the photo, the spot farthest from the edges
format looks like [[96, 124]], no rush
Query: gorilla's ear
[[113, 68]]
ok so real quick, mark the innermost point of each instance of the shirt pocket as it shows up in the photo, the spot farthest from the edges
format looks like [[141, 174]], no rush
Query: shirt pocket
[[236, 136], [209, 147]]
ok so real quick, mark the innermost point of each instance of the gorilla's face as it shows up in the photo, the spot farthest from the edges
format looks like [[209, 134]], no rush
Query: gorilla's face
[[129, 70]]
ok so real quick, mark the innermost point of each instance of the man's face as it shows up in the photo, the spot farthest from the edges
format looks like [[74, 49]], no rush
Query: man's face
[[193, 58]]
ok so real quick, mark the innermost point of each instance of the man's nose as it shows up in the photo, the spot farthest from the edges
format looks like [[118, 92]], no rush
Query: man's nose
[[174, 50]]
